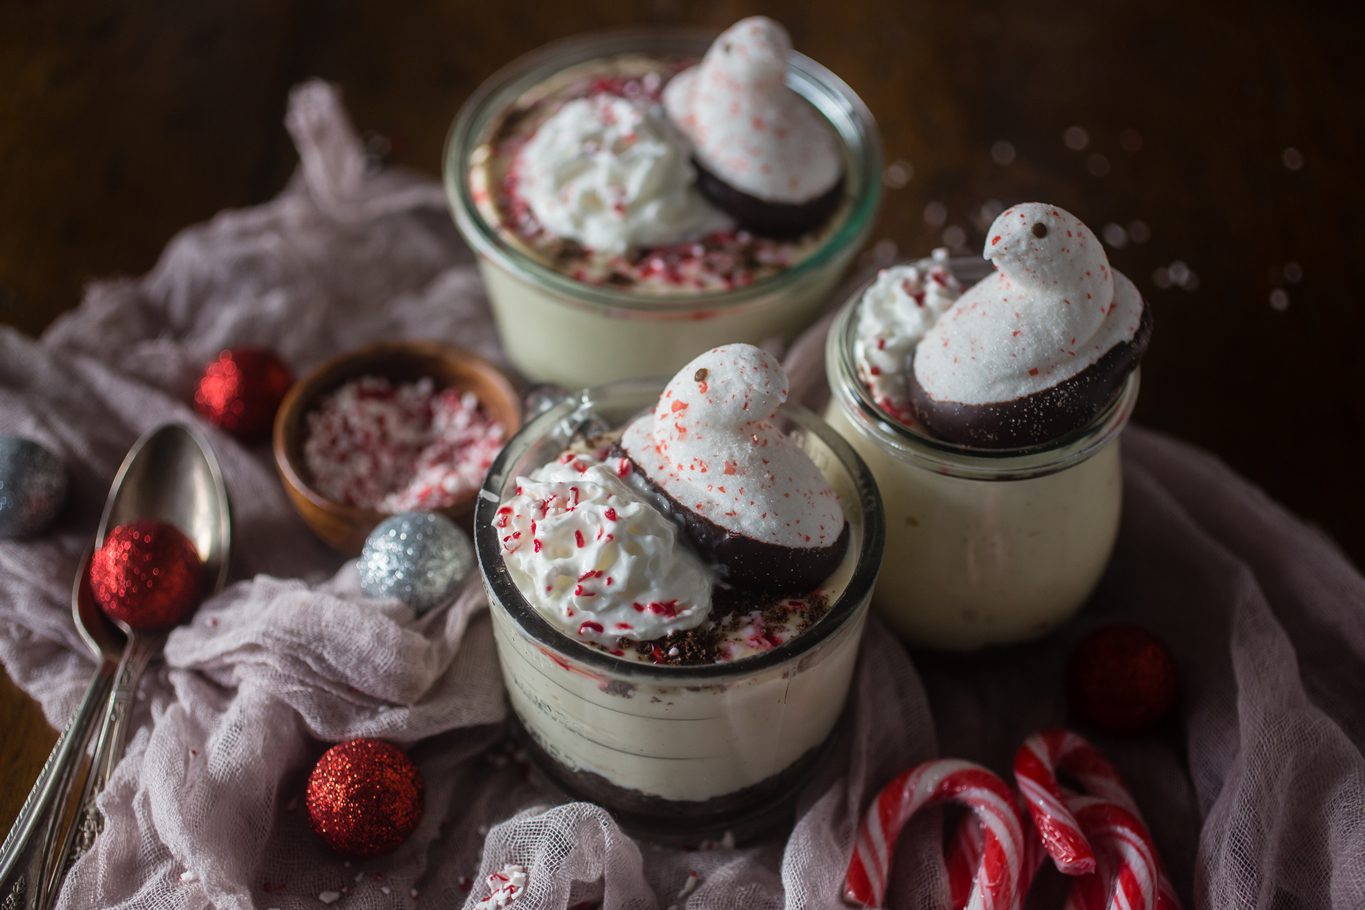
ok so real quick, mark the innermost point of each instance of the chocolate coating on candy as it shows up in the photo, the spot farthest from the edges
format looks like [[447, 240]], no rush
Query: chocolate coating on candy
[[750, 565], [1040, 417], [1038, 349], [771, 219]]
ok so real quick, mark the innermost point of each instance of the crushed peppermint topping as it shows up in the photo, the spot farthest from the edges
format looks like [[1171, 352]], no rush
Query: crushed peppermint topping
[[504, 887], [396, 448]]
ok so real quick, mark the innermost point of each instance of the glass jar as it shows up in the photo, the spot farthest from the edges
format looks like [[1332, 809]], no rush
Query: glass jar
[[678, 752], [983, 546], [556, 329]]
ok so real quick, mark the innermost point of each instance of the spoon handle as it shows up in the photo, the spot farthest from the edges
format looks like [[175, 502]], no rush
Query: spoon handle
[[31, 840], [112, 737]]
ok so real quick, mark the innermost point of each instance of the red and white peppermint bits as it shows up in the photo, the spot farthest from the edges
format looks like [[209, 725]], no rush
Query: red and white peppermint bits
[[934, 783], [399, 448]]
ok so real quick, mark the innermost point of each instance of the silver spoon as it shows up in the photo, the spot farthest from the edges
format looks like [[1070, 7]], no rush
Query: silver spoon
[[32, 839], [170, 474]]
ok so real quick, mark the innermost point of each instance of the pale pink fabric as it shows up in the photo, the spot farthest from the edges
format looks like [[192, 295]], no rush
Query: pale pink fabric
[[1257, 800]]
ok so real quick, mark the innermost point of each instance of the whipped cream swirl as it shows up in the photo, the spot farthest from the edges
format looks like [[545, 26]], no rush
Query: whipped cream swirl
[[611, 174], [1052, 309], [598, 560], [894, 313]]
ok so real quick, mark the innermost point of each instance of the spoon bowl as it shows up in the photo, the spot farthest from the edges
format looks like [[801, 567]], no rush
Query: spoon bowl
[[170, 474], [100, 634]]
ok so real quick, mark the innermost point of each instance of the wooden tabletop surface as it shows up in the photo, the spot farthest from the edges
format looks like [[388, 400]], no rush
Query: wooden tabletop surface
[[1217, 153]]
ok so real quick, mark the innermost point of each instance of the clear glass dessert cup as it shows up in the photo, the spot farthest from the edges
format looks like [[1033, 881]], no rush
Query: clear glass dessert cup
[[556, 329], [984, 546], [679, 753]]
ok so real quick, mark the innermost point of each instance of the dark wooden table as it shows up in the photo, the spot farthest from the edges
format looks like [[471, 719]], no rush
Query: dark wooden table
[[1218, 152]]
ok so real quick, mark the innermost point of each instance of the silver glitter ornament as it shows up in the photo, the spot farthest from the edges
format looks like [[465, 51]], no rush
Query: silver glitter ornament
[[32, 486], [415, 557]]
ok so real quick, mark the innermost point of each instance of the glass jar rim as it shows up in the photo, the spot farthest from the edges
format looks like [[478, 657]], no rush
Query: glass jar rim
[[545, 633], [969, 462], [824, 90]]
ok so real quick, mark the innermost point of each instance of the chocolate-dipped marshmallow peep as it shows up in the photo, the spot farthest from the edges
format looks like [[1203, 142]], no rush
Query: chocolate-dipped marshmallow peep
[[1039, 348], [749, 498], [763, 154]]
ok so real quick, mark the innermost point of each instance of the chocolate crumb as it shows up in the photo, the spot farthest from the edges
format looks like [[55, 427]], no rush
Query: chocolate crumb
[[731, 610]]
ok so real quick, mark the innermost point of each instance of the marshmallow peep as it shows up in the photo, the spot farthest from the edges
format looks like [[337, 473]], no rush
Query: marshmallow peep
[[1038, 349], [747, 495], [763, 153]]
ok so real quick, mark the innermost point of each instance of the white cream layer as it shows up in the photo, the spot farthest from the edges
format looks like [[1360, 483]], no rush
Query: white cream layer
[[612, 174], [894, 314], [598, 560]]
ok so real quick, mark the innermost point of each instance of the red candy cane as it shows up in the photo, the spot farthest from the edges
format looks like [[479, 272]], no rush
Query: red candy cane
[[929, 784], [1035, 771], [1036, 766], [1130, 874], [964, 855], [962, 859]]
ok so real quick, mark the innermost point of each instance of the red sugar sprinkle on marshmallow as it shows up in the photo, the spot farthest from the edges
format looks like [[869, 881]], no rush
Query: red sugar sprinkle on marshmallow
[[747, 126]]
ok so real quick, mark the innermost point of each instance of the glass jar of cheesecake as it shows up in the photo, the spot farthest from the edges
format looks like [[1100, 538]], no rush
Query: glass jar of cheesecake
[[988, 403], [678, 583], [636, 198]]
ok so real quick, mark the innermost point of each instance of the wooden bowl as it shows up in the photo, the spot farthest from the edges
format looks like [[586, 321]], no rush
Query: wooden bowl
[[345, 527]]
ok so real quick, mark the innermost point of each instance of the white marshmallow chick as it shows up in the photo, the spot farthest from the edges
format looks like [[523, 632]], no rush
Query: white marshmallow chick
[[712, 445], [1052, 309], [746, 125], [596, 559]]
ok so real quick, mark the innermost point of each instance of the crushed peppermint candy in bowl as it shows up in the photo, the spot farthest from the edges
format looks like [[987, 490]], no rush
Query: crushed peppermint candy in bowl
[[392, 427]]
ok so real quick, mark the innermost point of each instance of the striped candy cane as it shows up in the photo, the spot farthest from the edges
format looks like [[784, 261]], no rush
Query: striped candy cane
[[962, 860], [1036, 766], [1129, 876], [934, 783], [964, 855]]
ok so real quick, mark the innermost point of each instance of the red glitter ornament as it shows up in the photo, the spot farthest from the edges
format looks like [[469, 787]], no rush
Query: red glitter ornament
[[365, 797], [147, 574], [242, 389], [1122, 679]]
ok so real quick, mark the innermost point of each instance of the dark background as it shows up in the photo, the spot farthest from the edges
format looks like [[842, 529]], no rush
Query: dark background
[[1233, 137]]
